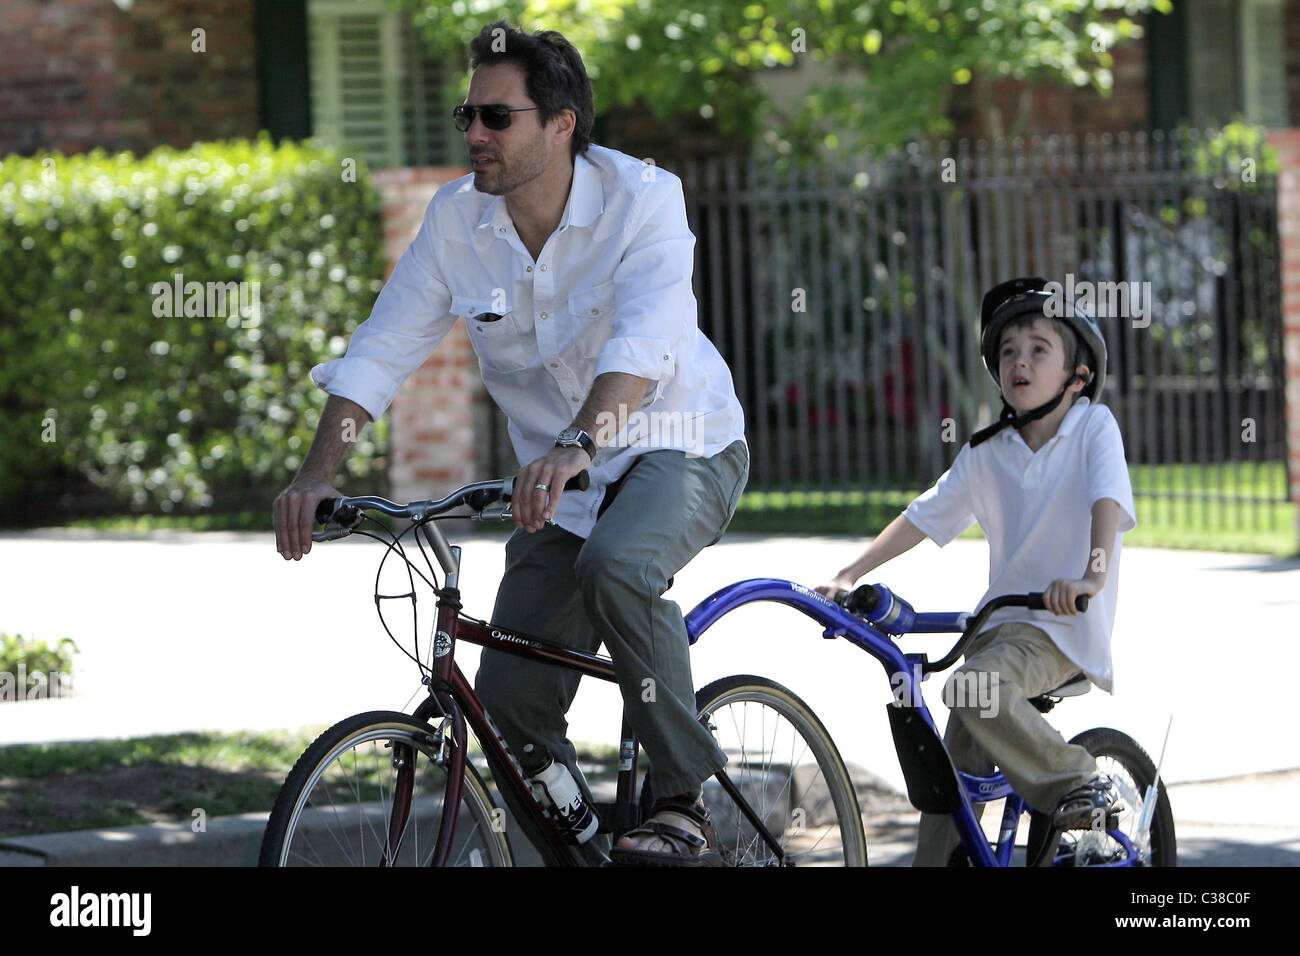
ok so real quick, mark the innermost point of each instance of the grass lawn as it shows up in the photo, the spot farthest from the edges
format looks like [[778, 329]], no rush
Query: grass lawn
[[50, 788], [1168, 510]]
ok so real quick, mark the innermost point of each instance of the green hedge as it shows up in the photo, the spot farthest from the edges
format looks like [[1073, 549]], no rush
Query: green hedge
[[177, 412]]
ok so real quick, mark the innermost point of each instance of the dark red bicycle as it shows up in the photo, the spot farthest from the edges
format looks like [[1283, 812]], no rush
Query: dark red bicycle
[[392, 789]]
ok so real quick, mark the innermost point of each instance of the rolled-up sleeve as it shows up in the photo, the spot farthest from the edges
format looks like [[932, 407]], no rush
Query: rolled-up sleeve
[[410, 318], [655, 310], [1107, 468], [947, 509]]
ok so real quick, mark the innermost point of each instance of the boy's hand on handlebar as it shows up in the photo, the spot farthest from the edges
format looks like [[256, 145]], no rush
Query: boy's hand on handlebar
[[533, 506], [835, 589], [295, 513], [1059, 596]]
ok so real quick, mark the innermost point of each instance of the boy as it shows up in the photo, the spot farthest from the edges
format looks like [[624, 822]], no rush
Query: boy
[[1049, 486]]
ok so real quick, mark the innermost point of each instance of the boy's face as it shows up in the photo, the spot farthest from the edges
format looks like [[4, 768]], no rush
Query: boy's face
[[1032, 365]]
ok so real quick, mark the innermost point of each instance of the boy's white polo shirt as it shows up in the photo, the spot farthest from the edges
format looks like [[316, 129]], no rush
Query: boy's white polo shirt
[[1036, 511]]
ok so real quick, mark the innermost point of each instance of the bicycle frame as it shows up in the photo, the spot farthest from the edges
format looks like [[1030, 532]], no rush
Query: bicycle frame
[[837, 622]]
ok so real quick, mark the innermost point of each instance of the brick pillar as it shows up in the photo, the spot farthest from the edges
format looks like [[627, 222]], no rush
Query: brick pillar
[[1287, 144], [431, 426]]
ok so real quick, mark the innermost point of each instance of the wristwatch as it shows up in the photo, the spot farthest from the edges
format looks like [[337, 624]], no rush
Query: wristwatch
[[576, 438]]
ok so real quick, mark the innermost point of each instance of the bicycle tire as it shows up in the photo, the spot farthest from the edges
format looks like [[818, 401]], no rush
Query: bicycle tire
[[353, 760], [1120, 756], [812, 812]]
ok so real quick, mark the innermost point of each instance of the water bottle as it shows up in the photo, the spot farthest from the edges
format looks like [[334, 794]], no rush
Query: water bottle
[[556, 788], [881, 606]]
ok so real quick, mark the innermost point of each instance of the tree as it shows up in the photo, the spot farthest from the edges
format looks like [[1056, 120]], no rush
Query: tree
[[895, 65]]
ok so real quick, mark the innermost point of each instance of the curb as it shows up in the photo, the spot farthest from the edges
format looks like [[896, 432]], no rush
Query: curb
[[226, 841]]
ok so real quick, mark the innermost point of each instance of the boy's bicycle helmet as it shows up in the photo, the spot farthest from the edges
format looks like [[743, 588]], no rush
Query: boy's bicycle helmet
[[1029, 296]]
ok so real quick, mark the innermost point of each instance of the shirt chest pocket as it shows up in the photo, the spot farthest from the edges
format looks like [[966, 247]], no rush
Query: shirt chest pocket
[[499, 341], [592, 314]]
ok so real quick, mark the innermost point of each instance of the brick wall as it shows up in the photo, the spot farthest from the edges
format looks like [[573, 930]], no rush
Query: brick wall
[[76, 74], [432, 434], [1287, 143]]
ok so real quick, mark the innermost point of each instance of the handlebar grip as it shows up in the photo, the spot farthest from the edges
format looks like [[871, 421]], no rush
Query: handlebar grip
[[861, 600], [1035, 601], [325, 511], [579, 482]]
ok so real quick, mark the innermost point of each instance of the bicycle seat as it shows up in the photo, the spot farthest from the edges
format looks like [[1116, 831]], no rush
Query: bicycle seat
[[1076, 686]]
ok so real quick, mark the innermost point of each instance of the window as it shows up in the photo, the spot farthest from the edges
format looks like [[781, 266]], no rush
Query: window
[[375, 90], [1215, 60]]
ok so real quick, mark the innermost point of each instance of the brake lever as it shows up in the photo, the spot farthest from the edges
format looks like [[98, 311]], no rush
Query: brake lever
[[500, 512]]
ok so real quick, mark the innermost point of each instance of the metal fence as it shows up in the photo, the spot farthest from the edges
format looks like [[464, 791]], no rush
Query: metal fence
[[846, 296]]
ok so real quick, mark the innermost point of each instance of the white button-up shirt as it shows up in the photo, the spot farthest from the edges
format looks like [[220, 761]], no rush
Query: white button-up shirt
[[1036, 511], [610, 292]]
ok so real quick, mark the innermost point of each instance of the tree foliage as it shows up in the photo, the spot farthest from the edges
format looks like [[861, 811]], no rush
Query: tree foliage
[[892, 66]]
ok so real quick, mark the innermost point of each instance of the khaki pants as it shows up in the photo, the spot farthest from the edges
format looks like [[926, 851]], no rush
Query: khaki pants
[[1016, 661]]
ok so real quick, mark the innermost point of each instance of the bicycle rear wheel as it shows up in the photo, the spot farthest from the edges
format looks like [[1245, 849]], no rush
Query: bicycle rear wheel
[[785, 766], [1127, 764], [337, 806]]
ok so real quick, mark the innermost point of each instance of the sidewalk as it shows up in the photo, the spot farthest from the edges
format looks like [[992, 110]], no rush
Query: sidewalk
[[183, 631], [1247, 821]]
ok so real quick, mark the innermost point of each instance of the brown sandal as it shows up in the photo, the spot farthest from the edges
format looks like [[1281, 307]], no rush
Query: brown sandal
[[667, 822]]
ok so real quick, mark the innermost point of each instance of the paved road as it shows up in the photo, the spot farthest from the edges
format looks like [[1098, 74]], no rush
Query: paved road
[[183, 631]]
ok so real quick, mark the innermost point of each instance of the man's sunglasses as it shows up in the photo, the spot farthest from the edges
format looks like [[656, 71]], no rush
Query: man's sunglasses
[[495, 116]]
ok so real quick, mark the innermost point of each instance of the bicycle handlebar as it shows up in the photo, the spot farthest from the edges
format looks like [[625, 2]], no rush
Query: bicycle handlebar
[[345, 513], [1033, 601], [886, 609]]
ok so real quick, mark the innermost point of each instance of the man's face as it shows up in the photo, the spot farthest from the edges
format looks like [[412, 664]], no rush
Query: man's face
[[505, 159], [1031, 365]]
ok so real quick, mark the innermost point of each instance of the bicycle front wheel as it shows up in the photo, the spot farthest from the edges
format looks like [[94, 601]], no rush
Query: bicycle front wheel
[[1121, 758], [786, 768], [371, 792]]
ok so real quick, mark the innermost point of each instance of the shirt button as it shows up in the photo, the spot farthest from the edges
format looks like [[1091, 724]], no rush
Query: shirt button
[[665, 358], [555, 365], [543, 268], [575, 399], [545, 315], [529, 269], [595, 311]]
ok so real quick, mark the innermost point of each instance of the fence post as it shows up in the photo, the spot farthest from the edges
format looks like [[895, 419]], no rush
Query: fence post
[[1287, 144]]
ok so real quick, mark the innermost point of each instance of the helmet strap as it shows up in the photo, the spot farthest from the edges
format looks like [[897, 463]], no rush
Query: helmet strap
[[1009, 419]]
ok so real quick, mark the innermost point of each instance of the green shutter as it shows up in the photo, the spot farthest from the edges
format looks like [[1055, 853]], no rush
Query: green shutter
[[373, 89]]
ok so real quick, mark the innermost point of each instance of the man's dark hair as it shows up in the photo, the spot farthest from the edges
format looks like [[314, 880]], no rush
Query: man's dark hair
[[554, 76]]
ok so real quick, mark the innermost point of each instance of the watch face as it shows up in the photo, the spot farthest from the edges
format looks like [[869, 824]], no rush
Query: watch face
[[568, 436]]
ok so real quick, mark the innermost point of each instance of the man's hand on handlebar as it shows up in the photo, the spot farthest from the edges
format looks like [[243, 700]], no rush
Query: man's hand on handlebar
[[1061, 593], [533, 506], [295, 513]]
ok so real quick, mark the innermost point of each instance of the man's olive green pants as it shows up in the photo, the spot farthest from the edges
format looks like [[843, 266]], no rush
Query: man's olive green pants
[[607, 589]]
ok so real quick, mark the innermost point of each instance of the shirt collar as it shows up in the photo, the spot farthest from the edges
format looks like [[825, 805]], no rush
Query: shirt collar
[[1068, 424], [586, 201]]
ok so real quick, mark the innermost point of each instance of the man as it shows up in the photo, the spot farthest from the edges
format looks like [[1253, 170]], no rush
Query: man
[[571, 265]]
